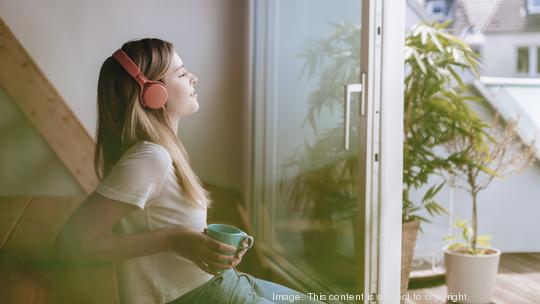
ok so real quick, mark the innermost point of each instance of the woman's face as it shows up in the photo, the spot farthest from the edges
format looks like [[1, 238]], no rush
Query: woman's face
[[182, 99]]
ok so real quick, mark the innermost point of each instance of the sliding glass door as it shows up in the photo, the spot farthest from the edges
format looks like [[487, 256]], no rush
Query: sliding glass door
[[315, 142]]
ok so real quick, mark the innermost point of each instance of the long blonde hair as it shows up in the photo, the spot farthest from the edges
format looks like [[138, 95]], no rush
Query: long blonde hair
[[123, 121]]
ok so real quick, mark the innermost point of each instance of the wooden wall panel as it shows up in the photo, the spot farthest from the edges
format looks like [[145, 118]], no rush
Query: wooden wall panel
[[45, 108]]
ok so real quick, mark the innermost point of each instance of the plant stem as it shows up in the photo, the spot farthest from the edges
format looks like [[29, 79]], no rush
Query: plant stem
[[474, 191], [407, 119], [474, 221]]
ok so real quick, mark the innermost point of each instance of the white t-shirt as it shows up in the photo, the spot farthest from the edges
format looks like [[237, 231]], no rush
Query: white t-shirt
[[144, 177]]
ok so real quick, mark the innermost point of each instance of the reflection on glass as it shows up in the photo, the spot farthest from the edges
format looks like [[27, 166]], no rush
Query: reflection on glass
[[315, 203]]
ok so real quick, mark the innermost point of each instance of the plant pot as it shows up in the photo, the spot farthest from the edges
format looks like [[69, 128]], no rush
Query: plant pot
[[469, 278], [409, 231]]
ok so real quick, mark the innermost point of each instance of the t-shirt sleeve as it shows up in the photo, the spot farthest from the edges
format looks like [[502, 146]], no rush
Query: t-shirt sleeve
[[138, 176]]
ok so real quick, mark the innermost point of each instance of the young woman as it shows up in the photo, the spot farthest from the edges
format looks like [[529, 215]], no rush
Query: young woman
[[150, 197]]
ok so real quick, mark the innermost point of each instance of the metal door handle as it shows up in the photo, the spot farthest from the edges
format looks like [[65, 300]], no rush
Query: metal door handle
[[352, 88]]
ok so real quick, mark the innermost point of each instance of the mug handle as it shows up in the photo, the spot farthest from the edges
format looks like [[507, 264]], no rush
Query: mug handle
[[250, 242]]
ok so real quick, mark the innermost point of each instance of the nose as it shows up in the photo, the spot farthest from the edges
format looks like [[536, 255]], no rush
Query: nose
[[194, 80]]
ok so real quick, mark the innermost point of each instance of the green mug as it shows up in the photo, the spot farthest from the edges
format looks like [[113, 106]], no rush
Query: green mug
[[229, 235]]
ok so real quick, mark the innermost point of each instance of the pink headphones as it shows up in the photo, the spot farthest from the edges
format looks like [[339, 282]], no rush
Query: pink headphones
[[153, 94]]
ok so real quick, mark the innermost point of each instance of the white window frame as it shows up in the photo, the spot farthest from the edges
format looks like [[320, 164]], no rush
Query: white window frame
[[533, 59]]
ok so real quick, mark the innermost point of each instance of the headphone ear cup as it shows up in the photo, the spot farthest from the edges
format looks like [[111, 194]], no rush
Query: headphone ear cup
[[154, 95]]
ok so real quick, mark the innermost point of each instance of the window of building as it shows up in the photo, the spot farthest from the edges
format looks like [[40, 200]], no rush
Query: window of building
[[438, 9], [533, 6], [538, 59], [523, 60]]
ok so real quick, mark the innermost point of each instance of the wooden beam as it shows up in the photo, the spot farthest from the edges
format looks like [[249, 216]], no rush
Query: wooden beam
[[45, 108]]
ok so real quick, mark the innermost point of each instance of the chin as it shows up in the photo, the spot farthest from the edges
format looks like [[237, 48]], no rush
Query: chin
[[195, 107]]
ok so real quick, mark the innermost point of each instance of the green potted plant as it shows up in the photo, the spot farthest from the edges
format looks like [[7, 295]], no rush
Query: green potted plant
[[471, 263], [436, 112]]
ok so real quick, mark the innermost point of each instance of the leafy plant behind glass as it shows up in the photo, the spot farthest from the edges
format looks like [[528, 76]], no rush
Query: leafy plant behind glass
[[324, 184]]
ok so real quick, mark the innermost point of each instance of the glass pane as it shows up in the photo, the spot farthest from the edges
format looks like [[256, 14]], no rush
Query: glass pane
[[314, 203], [523, 60]]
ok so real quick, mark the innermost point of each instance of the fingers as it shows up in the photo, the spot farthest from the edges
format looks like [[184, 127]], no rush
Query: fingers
[[206, 268], [213, 267], [220, 247], [219, 266], [220, 256], [216, 257], [244, 244], [218, 261], [236, 261], [240, 253]]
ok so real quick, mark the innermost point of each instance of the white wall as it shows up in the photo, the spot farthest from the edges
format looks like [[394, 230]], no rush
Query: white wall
[[27, 163], [499, 53], [70, 39]]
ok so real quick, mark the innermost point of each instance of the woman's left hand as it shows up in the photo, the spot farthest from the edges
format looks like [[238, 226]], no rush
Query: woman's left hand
[[239, 254]]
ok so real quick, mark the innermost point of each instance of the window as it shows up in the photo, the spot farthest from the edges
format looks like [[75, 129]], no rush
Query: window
[[438, 9], [523, 60], [538, 59], [533, 6]]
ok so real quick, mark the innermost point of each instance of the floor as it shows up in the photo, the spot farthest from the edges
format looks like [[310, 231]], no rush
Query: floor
[[518, 282]]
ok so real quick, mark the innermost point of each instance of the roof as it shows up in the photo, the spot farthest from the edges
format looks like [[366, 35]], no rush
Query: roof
[[471, 16], [492, 16], [515, 98], [512, 16]]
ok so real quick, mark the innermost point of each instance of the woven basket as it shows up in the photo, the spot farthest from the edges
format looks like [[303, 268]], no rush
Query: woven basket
[[409, 231]]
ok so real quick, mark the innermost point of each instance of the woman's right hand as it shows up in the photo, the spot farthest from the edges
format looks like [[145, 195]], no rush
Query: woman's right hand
[[207, 253]]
